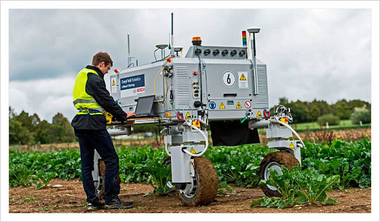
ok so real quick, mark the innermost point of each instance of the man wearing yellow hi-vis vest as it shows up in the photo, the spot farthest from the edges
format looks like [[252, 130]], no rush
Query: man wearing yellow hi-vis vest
[[91, 99]]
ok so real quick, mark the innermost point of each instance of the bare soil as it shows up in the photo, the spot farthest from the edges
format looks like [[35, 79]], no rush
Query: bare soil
[[62, 196]]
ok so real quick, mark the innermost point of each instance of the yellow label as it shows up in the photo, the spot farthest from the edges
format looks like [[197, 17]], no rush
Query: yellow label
[[196, 123], [243, 77], [259, 114], [222, 106], [113, 82], [284, 120], [187, 115], [238, 106], [291, 145], [192, 151]]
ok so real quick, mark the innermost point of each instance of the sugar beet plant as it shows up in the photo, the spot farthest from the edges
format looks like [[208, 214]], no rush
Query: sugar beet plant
[[38, 168], [239, 164], [144, 164], [350, 160], [298, 187]]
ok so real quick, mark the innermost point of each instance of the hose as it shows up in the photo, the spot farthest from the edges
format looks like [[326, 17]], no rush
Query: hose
[[206, 140], [155, 89]]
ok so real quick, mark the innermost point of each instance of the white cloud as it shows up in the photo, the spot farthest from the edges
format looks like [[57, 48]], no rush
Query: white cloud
[[45, 97]]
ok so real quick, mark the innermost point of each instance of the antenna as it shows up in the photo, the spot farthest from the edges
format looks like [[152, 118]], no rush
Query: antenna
[[172, 39], [129, 51], [252, 32]]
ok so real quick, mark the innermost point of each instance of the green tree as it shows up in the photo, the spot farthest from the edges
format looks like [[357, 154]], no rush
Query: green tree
[[342, 109], [43, 133], [18, 134], [329, 118], [323, 106], [361, 114], [61, 129], [313, 113]]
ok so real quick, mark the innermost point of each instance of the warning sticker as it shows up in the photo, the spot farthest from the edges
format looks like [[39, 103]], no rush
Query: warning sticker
[[187, 115], [259, 114], [113, 85], [192, 151], [222, 106], [238, 106], [247, 104], [291, 145], [243, 80], [132, 86]]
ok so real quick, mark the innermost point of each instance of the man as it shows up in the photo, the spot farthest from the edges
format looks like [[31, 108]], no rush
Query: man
[[91, 98]]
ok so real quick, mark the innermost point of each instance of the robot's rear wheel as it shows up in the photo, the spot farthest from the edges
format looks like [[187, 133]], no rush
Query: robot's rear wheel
[[204, 185]]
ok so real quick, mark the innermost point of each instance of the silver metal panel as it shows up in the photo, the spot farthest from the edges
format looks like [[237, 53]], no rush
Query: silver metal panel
[[277, 131], [182, 86], [282, 144], [180, 163], [212, 87], [262, 97]]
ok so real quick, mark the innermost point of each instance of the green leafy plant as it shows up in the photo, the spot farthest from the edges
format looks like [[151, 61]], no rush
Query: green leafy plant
[[223, 187], [297, 187]]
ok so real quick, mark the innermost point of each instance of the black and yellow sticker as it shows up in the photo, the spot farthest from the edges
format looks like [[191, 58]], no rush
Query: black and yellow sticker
[[222, 106]]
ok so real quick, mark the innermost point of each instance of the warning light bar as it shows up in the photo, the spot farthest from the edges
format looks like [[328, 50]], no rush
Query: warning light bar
[[244, 37], [197, 40]]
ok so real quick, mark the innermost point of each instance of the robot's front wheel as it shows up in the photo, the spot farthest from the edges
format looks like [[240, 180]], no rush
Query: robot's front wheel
[[203, 187], [273, 161]]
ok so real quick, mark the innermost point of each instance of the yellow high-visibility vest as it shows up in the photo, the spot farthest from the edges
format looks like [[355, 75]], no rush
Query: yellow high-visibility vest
[[85, 103]]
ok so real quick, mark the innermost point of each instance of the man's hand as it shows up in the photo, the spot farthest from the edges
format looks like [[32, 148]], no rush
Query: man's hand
[[131, 114]]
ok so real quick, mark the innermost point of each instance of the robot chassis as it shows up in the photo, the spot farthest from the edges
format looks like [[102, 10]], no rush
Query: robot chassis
[[186, 114]]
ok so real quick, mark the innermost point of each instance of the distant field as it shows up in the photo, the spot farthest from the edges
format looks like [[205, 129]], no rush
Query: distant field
[[314, 125]]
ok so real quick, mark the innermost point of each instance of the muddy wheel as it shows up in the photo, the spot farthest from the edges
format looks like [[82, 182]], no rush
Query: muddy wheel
[[100, 189], [273, 161], [204, 186]]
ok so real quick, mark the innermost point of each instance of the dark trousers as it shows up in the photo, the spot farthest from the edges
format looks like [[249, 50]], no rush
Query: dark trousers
[[99, 140]]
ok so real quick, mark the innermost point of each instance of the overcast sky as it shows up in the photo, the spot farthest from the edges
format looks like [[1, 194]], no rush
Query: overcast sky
[[322, 54]]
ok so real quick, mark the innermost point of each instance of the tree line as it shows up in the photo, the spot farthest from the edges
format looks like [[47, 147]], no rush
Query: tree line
[[304, 112], [30, 129]]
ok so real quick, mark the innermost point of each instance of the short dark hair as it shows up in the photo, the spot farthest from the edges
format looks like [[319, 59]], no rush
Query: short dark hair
[[101, 57]]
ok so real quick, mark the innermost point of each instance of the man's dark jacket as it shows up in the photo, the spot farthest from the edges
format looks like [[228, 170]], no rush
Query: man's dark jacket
[[96, 87]]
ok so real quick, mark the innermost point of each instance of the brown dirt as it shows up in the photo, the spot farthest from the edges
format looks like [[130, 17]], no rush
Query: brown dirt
[[70, 198]]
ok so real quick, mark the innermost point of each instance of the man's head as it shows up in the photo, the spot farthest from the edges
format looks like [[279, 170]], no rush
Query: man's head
[[103, 61]]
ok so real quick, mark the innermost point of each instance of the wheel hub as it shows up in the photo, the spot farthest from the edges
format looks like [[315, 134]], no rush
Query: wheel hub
[[276, 167], [191, 188]]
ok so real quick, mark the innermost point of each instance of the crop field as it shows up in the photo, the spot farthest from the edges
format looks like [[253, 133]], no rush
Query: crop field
[[336, 178]]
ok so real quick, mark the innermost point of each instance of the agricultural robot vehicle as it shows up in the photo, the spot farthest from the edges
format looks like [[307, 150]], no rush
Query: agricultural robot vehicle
[[209, 85]]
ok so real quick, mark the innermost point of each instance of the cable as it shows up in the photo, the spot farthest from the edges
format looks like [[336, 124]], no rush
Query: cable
[[206, 140], [155, 89]]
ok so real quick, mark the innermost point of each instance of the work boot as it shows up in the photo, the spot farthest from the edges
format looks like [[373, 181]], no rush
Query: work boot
[[116, 203], [96, 205]]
